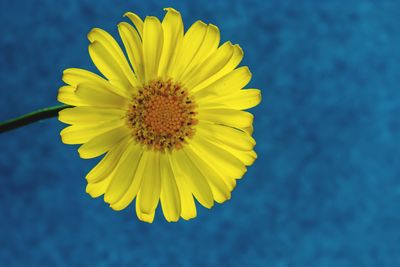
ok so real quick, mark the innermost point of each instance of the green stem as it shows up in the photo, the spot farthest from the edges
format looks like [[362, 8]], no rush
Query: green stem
[[34, 116]]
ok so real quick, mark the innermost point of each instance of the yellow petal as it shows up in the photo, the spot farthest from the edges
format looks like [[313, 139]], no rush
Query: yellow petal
[[151, 184], [248, 129], [145, 217], [74, 76], [229, 117], [190, 45], [124, 173], [103, 37], [97, 189], [133, 47], [223, 160], [84, 115], [115, 51], [230, 182], [120, 197], [98, 96], [152, 46], [136, 20], [230, 83], [238, 143], [82, 133], [194, 179], [234, 61], [66, 95], [242, 99], [227, 135], [173, 34], [188, 207], [109, 66], [214, 63], [247, 157], [102, 143], [104, 168], [170, 198], [208, 46], [215, 179]]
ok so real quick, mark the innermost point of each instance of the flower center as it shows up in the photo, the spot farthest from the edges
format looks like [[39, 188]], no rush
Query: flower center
[[162, 115]]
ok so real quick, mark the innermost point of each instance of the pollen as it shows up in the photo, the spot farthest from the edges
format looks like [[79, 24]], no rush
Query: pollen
[[162, 115]]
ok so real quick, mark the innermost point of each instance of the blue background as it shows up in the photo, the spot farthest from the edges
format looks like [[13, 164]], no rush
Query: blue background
[[324, 192]]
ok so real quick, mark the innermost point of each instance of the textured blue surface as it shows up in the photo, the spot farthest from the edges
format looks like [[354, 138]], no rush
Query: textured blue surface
[[324, 192]]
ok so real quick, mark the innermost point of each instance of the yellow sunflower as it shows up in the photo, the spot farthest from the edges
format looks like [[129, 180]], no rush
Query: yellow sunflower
[[169, 119]]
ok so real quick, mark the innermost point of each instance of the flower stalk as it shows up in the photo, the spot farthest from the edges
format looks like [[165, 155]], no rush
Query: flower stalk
[[31, 117]]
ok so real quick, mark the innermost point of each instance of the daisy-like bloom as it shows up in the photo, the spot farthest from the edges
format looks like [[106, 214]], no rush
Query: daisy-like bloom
[[169, 117]]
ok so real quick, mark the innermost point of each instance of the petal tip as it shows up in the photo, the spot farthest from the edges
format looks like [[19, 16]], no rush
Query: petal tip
[[148, 218], [171, 9], [91, 34], [201, 23], [83, 154], [188, 217], [151, 18], [114, 207], [128, 14]]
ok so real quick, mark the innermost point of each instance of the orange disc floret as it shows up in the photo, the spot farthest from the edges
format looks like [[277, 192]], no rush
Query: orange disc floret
[[162, 115]]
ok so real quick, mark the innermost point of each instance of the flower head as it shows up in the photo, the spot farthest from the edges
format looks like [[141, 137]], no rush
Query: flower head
[[169, 118]]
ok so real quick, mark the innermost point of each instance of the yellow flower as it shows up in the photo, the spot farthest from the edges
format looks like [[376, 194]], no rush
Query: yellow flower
[[170, 121]]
